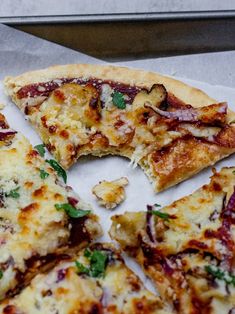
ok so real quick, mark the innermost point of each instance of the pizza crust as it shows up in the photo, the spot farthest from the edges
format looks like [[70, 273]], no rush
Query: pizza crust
[[188, 94]]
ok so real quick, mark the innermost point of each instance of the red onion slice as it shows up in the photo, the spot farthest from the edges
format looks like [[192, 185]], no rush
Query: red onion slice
[[150, 224], [6, 132], [180, 114], [61, 274], [72, 201], [229, 210], [209, 114]]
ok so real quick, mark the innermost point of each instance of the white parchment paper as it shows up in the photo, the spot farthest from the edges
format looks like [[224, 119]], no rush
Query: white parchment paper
[[20, 52]]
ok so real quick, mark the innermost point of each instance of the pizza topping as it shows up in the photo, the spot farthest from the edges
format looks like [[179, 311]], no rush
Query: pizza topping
[[41, 149], [60, 171], [106, 96], [220, 274], [4, 133], [150, 228], [229, 210], [157, 205], [98, 262], [151, 225], [160, 214], [72, 211], [118, 100], [43, 174], [110, 193], [1, 274], [61, 274], [215, 113], [13, 193]]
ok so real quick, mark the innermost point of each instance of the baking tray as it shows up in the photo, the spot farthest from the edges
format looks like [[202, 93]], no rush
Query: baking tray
[[130, 36]]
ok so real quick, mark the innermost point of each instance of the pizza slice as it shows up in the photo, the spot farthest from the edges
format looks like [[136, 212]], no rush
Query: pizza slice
[[170, 129], [39, 215], [95, 281], [188, 247]]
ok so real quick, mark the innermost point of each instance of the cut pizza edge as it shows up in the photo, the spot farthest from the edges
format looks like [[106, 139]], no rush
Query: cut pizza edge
[[182, 152], [187, 248], [94, 280], [40, 216]]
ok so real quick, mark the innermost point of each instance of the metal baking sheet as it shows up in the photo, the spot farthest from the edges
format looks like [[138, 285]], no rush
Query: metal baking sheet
[[130, 36]]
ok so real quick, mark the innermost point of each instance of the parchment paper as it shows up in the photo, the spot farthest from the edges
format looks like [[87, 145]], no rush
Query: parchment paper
[[20, 52]]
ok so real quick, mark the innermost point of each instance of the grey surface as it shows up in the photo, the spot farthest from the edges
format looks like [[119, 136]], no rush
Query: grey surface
[[22, 52], [55, 7], [214, 68]]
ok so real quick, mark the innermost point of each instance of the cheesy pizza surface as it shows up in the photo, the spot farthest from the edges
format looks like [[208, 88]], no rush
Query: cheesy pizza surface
[[147, 123], [39, 215], [94, 281], [188, 247]]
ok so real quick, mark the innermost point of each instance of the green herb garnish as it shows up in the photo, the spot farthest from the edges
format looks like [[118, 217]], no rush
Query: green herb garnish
[[157, 205], [220, 274], [41, 149], [1, 274], [60, 171], [72, 211], [233, 171], [82, 269], [118, 100], [98, 263], [160, 214], [13, 193], [43, 174]]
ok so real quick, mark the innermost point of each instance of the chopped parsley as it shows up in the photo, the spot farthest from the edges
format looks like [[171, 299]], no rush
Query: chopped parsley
[[220, 274], [157, 205], [118, 100], [233, 171], [41, 149], [82, 269], [13, 193], [43, 174], [160, 214], [98, 263], [1, 274], [60, 171], [72, 211]]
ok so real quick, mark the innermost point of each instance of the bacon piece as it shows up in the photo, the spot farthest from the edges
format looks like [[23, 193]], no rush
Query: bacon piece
[[212, 114]]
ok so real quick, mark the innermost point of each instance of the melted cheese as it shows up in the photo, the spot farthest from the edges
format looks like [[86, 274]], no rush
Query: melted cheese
[[64, 290], [78, 120], [110, 193], [29, 219]]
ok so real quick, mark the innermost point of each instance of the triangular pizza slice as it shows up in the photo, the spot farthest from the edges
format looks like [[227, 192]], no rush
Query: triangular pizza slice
[[188, 247], [170, 129], [94, 281], [40, 216]]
